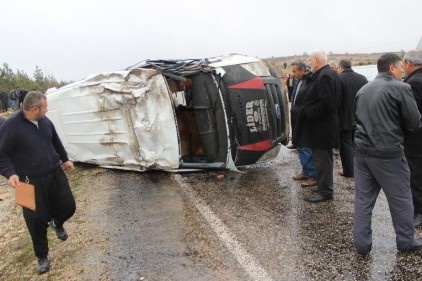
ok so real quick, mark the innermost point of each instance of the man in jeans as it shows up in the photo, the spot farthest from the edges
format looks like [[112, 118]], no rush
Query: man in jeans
[[308, 173], [385, 113]]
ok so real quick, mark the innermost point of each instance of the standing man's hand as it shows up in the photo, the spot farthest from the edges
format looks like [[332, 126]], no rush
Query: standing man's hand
[[13, 180], [68, 165]]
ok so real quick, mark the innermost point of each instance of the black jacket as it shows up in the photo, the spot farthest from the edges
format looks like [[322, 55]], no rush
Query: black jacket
[[297, 101], [385, 112], [316, 111], [351, 82], [28, 150], [413, 142]]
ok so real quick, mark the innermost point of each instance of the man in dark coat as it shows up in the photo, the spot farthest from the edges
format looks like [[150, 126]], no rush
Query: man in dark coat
[[413, 143], [351, 82], [317, 124]]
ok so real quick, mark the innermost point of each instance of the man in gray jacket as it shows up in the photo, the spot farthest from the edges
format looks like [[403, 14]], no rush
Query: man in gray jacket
[[385, 113]]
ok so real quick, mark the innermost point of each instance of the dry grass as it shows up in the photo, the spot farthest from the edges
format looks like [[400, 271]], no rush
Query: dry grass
[[356, 59]]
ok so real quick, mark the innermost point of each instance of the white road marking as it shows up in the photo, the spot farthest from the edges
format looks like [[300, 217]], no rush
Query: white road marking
[[246, 260]]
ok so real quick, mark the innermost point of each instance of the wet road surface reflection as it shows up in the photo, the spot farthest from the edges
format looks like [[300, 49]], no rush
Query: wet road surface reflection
[[295, 240]]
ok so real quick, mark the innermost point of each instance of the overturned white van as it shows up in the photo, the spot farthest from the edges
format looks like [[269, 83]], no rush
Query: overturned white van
[[218, 113]]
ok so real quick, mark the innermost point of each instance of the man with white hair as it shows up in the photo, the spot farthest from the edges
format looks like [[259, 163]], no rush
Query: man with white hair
[[413, 143], [318, 124]]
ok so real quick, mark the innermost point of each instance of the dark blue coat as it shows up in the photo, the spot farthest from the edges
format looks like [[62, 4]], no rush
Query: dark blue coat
[[26, 149]]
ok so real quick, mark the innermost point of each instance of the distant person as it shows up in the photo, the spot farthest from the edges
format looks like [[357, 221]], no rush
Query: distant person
[[22, 95], [413, 142], [13, 98], [31, 151], [351, 82], [317, 122], [385, 113], [308, 172], [290, 83], [4, 97]]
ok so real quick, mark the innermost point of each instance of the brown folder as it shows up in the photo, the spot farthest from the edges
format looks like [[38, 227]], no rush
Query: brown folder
[[25, 195]]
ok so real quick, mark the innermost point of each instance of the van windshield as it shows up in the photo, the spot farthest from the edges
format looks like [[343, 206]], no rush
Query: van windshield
[[258, 68]]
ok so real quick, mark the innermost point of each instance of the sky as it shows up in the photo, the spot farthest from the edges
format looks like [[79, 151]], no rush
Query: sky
[[73, 39]]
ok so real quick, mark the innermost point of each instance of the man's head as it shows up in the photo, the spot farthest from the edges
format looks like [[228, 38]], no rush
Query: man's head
[[412, 61], [35, 106], [344, 64], [333, 65], [392, 64], [318, 59], [298, 69]]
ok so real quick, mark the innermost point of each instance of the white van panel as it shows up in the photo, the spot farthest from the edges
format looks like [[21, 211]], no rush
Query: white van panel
[[122, 118]]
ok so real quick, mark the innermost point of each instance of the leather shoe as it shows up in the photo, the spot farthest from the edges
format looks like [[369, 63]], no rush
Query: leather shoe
[[43, 265], [300, 176], [417, 244], [341, 173], [417, 220], [309, 182], [319, 198], [365, 253]]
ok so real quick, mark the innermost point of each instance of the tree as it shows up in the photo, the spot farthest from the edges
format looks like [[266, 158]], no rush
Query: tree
[[10, 80], [38, 77]]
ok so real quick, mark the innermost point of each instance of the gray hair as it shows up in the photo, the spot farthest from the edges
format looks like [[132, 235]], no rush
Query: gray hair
[[414, 56], [300, 64], [33, 99], [321, 55], [333, 63]]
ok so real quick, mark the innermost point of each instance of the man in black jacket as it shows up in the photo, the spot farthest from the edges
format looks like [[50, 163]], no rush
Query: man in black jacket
[[385, 113], [413, 143], [351, 82], [31, 151], [317, 122]]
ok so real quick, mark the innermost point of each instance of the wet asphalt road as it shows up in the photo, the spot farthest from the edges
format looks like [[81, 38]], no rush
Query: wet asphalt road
[[253, 225]]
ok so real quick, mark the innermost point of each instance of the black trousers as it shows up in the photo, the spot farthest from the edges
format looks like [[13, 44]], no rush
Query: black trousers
[[53, 199], [346, 152], [323, 160], [415, 166]]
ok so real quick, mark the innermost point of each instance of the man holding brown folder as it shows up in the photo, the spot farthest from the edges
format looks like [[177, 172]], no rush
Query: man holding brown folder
[[31, 152]]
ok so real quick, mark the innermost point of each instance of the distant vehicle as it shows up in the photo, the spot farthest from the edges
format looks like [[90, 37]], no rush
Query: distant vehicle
[[369, 71], [220, 112]]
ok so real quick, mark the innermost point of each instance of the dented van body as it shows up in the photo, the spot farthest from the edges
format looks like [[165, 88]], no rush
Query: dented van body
[[174, 115]]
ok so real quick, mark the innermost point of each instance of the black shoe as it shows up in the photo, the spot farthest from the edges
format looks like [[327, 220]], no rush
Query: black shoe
[[364, 253], [43, 265], [292, 146], [417, 244], [417, 220], [319, 198], [60, 231]]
